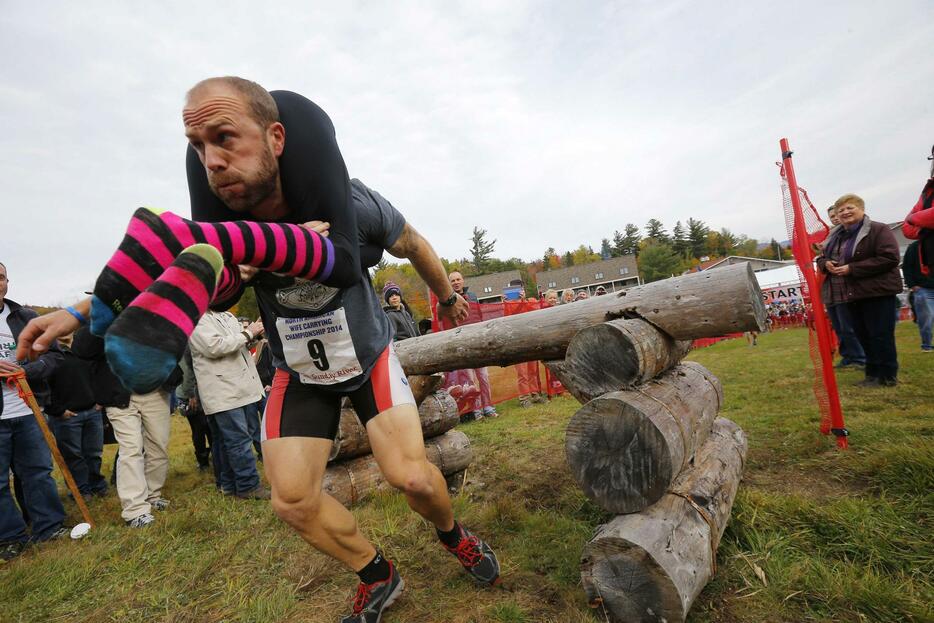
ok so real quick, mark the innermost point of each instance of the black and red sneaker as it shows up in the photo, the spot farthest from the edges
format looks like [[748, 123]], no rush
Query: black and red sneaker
[[477, 557], [372, 599]]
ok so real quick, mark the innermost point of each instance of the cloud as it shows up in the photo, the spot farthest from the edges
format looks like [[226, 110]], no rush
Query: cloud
[[548, 124]]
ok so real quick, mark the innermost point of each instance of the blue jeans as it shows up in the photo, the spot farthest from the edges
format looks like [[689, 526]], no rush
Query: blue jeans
[[81, 441], [924, 313], [851, 351], [254, 414], [232, 449], [23, 447]]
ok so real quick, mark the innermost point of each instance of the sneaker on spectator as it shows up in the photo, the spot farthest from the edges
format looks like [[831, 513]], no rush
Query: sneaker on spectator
[[524, 401], [372, 599], [259, 493], [141, 521], [490, 412], [9, 551], [539, 398], [159, 504], [476, 557]]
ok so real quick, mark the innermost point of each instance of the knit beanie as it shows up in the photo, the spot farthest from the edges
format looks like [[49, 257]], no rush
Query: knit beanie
[[389, 289]]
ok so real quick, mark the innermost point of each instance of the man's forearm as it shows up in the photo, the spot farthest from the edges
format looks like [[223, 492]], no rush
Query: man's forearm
[[415, 248]]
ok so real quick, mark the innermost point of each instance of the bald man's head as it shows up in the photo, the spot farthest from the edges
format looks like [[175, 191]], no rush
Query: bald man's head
[[260, 104]]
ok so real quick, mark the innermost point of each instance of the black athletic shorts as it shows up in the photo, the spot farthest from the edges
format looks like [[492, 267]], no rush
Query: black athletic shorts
[[296, 409]]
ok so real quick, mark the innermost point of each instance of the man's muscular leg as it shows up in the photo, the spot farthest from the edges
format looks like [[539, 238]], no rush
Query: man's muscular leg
[[397, 444], [295, 469], [396, 441]]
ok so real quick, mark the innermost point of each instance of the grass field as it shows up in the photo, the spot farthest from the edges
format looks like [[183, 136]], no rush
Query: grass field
[[816, 534]]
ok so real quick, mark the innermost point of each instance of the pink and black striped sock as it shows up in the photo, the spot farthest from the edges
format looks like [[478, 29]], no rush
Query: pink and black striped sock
[[146, 341], [155, 238]]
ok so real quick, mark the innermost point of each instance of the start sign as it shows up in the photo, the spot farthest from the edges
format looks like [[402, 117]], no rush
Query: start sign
[[782, 294]]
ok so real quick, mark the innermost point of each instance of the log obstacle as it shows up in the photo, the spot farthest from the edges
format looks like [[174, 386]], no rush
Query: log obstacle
[[351, 481], [438, 414], [625, 448], [652, 565], [705, 304], [424, 385], [616, 355]]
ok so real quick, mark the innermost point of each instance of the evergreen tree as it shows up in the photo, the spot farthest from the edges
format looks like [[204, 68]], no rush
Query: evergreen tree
[[480, 249], [631, 240], [619, 244], [697, 235], [659, 261], [679, 240], [655, 230], [568, 259], [606, 251], [726, 243]]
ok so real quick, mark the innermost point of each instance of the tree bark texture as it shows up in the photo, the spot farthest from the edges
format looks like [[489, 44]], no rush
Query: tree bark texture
[[705, 304], [652, 565], [351, 481], [425, 385], [618, 354], [625, 448], [438, 414]]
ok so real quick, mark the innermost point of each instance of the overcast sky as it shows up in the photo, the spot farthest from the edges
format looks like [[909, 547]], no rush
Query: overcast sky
[[548, 124]]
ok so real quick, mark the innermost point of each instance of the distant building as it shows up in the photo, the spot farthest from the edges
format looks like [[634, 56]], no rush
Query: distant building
[[758, 264], [495, 287], [616, 273], [900, 237]]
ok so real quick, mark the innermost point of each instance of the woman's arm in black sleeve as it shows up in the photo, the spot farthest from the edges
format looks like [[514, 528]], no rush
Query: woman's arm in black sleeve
[[316, 185]]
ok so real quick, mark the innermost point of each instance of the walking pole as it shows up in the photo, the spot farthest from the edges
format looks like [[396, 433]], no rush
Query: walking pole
[[17, 381]]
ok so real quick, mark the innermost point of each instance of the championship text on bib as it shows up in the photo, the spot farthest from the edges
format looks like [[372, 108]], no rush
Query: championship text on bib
[[320, 348]]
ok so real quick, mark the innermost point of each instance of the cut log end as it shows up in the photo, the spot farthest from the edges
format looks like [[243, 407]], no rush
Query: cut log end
[[625, 448], [617, 455], [626, 584]]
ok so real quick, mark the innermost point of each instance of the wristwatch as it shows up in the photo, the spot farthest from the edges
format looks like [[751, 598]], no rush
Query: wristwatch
[[449, 301]]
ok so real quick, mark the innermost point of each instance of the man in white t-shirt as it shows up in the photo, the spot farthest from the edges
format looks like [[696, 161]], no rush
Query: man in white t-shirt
[[22, 446]]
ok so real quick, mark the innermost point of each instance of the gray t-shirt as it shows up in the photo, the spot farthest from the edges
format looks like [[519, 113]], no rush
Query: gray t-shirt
[[332, 337]]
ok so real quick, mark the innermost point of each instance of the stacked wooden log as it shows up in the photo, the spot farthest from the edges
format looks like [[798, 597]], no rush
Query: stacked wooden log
[[353, 473], [647, 444]]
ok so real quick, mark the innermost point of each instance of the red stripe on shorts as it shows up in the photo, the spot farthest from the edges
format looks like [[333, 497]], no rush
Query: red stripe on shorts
[[379, 381], [273, 416]]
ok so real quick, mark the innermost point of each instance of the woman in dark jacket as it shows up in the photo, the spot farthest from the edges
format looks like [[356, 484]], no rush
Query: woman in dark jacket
[[861, 262], [403, 326]]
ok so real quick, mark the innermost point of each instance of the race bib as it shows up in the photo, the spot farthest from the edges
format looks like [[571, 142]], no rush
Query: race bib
[[319, 349]]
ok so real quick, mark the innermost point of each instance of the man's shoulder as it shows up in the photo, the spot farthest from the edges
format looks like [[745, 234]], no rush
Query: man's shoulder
[[20, 311]]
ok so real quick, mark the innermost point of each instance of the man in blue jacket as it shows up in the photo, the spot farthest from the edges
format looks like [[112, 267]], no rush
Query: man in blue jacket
[[22, 446]]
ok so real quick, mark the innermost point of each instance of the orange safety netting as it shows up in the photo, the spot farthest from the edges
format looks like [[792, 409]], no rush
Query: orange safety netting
[[807, 230], [477, 388]]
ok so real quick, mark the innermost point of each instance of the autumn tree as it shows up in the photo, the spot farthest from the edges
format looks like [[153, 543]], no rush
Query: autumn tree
[[551, 260]]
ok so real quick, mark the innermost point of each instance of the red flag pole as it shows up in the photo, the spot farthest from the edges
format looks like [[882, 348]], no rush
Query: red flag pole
[[805, 260]]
